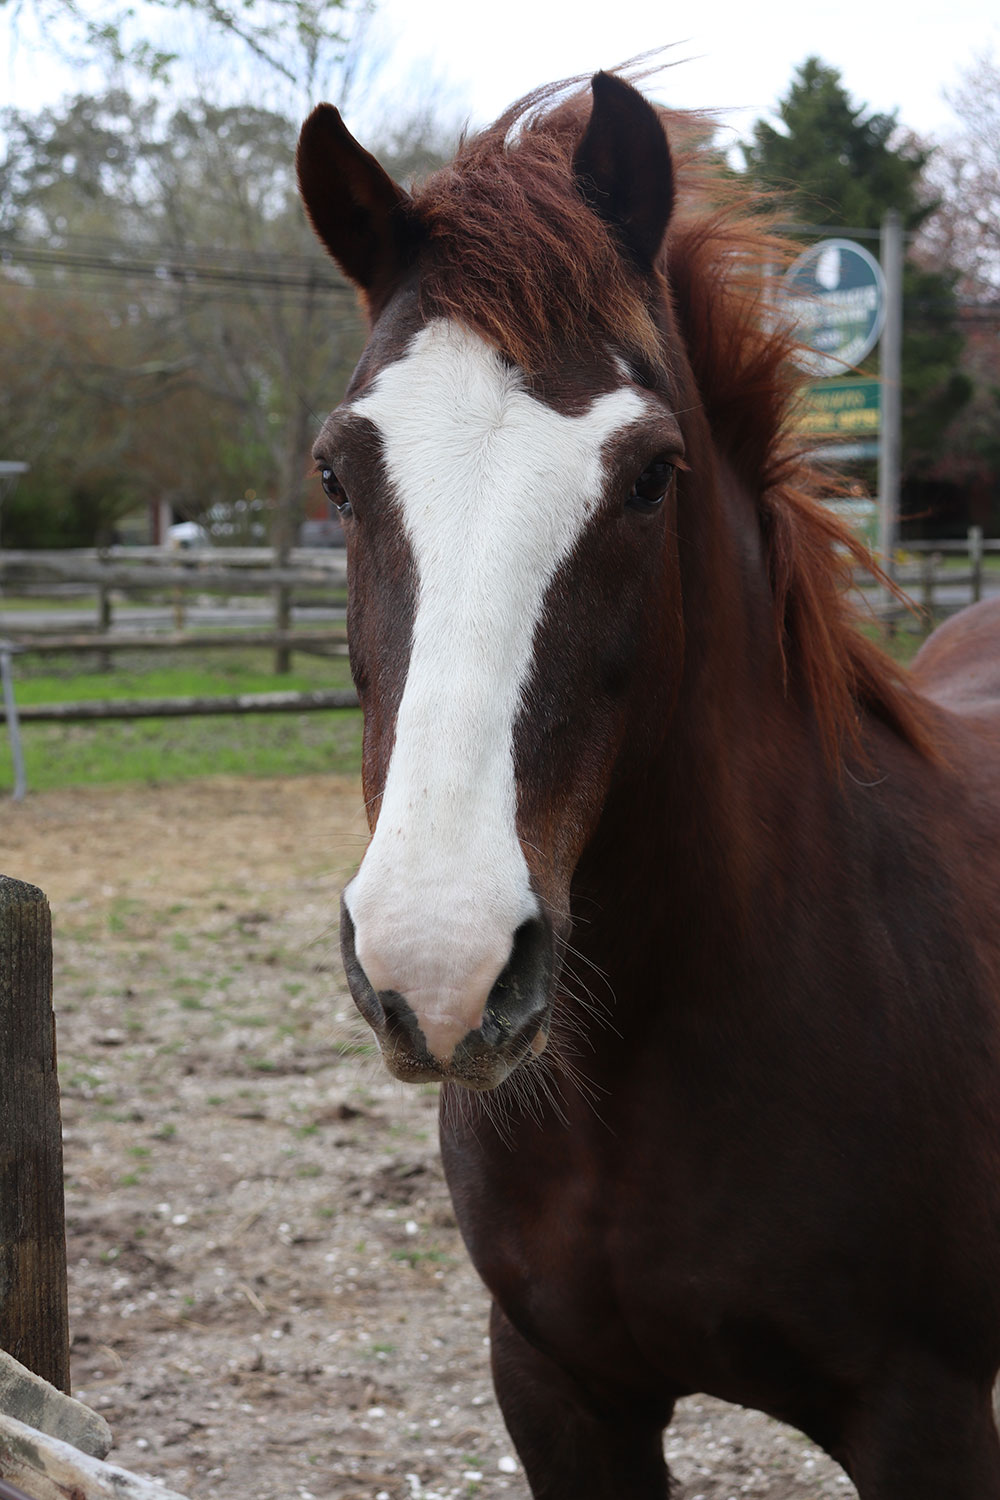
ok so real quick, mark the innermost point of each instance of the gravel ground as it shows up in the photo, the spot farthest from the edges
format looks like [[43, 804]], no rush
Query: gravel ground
[[268, 1293]]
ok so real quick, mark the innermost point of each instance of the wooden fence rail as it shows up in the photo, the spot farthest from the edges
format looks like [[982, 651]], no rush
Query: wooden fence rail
[[132, 579], [52, 643], [948, 545], [89, 565], [186, 708]]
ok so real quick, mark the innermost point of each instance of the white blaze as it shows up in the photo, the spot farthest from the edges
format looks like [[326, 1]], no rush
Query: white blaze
[[494, 489]]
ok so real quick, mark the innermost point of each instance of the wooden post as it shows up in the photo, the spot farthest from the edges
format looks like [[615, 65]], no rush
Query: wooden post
[[180, 608], [283, 628], [105, 613], [34, 1318], [976, 561], [890, 366], [104, 620], [13, 723], [928, 564]]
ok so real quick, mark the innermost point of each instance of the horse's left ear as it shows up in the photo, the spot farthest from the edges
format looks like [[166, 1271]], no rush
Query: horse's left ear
[[623, 168], [364, 219]]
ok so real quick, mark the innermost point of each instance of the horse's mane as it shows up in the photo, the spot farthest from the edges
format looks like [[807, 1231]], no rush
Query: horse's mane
[[514, 251]]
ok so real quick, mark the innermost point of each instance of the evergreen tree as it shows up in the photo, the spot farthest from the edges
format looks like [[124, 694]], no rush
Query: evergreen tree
[[836, 162]]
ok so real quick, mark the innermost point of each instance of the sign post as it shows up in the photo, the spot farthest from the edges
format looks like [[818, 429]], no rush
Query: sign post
[[843, 303], [890, 365]]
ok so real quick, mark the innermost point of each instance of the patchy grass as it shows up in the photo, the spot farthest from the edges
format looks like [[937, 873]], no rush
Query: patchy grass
[[904, 642], [159, 674], [160, 751], [157, 751]]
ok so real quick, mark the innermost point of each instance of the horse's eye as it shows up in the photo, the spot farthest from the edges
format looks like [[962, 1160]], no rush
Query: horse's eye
[[334, 490], [651, 486]]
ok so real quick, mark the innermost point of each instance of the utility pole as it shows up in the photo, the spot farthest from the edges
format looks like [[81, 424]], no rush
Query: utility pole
[[890, 375]]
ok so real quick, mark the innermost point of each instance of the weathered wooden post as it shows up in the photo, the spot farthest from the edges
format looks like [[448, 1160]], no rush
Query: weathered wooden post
[[976, 561], [928, 565], [7, 650], [34, 1319], [105, 609], [105, 617], [180, 608]]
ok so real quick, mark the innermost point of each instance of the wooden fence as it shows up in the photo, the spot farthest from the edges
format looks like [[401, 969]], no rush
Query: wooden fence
[[920, 579], [234, 572], [173, 576], [239, 571]]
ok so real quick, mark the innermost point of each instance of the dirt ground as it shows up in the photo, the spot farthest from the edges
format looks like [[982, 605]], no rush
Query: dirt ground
[[269, 1297]]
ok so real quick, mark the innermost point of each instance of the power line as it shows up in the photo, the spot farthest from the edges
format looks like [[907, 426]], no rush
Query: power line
[[181, 269], [159, 249], [202, 270]]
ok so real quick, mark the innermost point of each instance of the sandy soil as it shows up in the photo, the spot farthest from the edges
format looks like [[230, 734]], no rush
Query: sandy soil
[[268, 1293]]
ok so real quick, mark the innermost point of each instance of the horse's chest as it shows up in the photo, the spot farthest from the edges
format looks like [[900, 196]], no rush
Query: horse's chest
[[585, 1267], [626, 1274]]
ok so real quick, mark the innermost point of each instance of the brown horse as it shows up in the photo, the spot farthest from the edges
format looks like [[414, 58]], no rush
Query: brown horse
[[689, 898]]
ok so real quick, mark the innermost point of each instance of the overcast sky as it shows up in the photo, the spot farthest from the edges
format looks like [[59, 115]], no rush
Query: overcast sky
[[735, 55], [732, 55]]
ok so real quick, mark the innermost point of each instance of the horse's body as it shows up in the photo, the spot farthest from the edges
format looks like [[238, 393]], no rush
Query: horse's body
[[620, 732]]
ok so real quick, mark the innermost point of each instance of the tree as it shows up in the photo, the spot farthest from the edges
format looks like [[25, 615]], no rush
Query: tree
[[964, 171], [299, 41], [834, 161], [159, 242], [839, 167], [964, 233], [209, 321], [157, 271]]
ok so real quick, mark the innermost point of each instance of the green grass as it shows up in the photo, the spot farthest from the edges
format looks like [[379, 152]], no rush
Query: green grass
[[948, 562], [65, 679], [167, 750], [904, 643], [156, 751]]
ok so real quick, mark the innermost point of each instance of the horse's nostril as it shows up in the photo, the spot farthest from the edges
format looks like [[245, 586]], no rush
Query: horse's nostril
[[520, 995], [400, 1021]]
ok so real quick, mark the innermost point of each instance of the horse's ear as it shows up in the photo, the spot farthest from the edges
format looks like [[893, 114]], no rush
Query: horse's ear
[[623, 168], [363, 218]]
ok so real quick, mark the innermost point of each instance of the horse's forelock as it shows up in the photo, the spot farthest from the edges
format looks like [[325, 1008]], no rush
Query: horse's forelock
[[514, 252]]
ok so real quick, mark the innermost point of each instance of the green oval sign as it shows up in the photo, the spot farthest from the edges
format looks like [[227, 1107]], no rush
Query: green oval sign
[[835, 296]]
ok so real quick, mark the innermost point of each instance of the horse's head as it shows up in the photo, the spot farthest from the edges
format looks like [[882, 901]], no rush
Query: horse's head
[[505, 462]]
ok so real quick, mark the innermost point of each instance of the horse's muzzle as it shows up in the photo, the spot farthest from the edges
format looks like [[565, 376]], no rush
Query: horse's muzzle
[[514, 1024]]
